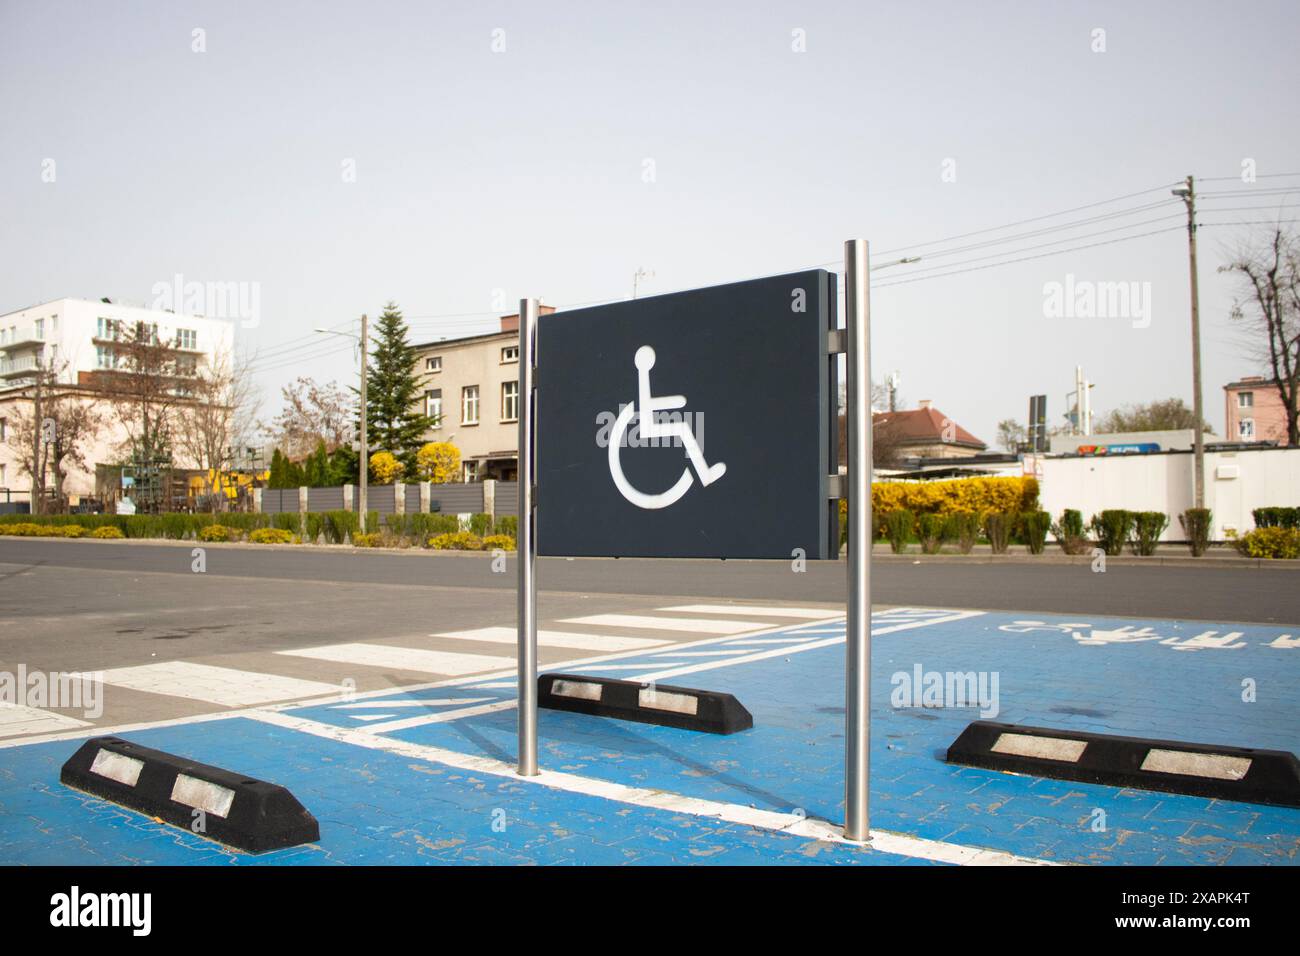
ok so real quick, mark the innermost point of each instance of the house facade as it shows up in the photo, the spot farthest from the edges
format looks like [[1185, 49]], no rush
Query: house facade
[[71, 344], [1253, 411], [470, 386]]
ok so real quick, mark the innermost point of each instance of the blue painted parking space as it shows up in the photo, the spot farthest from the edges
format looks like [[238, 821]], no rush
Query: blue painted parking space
[[423, 776], [374, 808]]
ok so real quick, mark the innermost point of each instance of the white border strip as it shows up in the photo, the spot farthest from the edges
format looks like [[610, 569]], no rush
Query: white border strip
[[773, 820]]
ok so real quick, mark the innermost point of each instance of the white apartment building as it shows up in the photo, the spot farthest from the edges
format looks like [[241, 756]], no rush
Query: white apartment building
[[78, 335], [77, 338]]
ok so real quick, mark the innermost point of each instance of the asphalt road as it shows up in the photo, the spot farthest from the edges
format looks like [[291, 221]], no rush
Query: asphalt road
[[1212, 593]]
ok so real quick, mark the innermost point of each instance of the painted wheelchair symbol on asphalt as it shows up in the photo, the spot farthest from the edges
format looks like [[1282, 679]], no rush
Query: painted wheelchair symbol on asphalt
[[650, 428]]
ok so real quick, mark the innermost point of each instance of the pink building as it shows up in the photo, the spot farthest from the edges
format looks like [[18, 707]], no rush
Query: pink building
[[1253, 411]]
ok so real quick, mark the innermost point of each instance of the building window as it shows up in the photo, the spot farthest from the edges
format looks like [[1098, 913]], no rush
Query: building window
[[3, 480], [187, 339], [469, 405], [433, 364], [108, 329], [104, 357], [433, 406], [469, 471], [1246, 429], [187, 365], [4, 428], [1245, 399], [509, 354], [40, 329], [510, 401]]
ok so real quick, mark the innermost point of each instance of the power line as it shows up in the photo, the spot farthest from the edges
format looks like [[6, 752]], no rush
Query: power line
[[1043, 255]]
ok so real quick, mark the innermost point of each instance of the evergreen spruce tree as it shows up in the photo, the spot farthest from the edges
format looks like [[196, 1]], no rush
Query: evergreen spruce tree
[[394, 419]]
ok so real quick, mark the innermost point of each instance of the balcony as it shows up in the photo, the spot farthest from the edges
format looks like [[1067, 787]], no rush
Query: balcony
[[23, 335], [18, 366]]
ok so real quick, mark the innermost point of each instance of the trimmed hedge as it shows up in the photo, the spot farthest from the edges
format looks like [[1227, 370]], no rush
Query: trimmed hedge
[[1276, 517]]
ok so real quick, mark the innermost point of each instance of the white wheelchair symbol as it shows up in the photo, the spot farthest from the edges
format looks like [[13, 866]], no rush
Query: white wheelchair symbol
[[650, 428]]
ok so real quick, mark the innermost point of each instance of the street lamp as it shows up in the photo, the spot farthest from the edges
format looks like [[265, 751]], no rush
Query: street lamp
[[365, 450], [639, 275], [1187, 193]]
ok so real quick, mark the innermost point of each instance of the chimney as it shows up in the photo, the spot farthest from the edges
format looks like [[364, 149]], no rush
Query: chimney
[[923, 403], [510, 323]]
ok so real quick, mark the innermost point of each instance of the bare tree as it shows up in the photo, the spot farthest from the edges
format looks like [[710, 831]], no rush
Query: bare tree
[[144, 385], [313, 413], [216, 418], [1268, 274], [51, 438]]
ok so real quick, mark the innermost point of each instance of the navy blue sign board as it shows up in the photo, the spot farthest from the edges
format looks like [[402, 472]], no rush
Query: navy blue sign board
[[733, 459]]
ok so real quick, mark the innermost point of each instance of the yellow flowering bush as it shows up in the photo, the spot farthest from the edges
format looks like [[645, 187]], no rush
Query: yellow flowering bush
[[494, 541], [385, 468], [30, 529], [372, 540], [438, 462], [271, 536], [457, 541], [216, 532], [1269, 543], [107, 531]]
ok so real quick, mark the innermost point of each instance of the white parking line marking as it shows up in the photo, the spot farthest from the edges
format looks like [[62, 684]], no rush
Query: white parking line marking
[[430, 702], [582, 642], [793, 823], [746, 641], [444, 717], [217, 685], [809, 613], [698, 625], [658, 675], [402, 658]]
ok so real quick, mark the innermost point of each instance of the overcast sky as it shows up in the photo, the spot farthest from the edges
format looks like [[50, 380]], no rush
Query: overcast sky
[[690, 139]]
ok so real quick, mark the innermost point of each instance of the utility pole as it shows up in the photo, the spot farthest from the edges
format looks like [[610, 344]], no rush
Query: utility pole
[[1187, 193], [365, 450]]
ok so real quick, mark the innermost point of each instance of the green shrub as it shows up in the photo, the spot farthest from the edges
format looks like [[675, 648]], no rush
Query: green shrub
[[341, 525], [898, 529], [507, 524], [1270, 541], [457, 541], [289, 521], [1068, 532], [1112, 529], [1276, 517], [271, 535], [423, 526], [998, 526], [931, 529], [315, 526], [372, 521], [963, 527], [1148, 526], [1035, 525], [480, 524], [1196, 524]]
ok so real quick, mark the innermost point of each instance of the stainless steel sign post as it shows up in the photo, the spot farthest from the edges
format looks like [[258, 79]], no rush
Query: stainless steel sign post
[[701, 424], [857, 647], [526, 540]]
